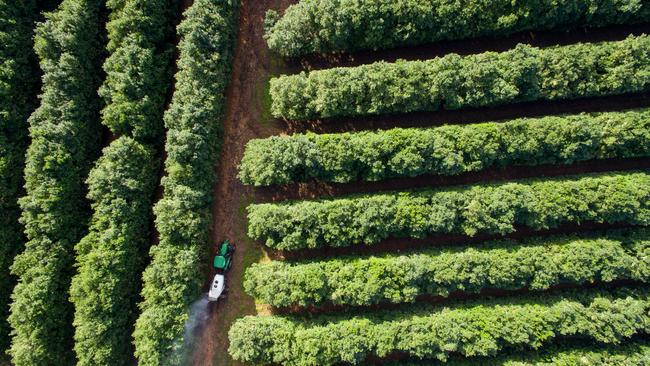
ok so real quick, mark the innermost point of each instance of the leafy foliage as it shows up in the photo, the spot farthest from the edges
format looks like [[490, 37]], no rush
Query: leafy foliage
[[138, 67], [480, 328], [64, 133], [522, 74], [446, 150], [111, 257], [18, 88], [631, 353], [489, 208], [534, 264], [173, 279], [318, 26]]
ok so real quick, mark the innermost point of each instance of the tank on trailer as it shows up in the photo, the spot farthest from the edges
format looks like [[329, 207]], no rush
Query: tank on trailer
[[217, 287]]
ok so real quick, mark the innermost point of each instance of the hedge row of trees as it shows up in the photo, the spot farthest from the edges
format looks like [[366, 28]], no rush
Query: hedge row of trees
[[320, 26], [447, 150], [64, 133], [18, 89], [173, 279], [534, 264], [111, 258], [522, 74], [633, 352], [489, 209], [138, 66], [479, 328]]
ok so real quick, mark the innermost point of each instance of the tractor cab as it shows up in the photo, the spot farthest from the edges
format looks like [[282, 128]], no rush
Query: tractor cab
[[221, 263], [223, 260]]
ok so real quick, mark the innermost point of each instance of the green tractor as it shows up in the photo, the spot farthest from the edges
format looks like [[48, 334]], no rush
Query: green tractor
[[223, 260], [222, 263]]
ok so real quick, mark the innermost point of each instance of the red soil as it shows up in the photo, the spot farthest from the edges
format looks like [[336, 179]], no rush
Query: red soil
[[317, 189], [252, 66]]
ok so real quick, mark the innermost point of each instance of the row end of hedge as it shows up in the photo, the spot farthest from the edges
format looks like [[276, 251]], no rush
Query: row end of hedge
[[473, 329], [446, 150], [324, 26], [498, 208], [522, 74]]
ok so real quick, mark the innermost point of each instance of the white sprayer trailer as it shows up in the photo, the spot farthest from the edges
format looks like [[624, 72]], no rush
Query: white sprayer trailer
[[217, 287], [222, 263]]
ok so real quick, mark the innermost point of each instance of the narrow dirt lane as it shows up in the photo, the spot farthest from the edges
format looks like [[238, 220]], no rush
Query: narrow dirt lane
[[244, 120]]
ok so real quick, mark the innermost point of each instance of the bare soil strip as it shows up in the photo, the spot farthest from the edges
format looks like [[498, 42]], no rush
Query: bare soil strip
[[317, 189], [470, 115], [469, 46], [404, 245], [440, 300]]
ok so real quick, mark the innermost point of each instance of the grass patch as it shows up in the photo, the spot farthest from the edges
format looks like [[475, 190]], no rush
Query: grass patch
[[277, 66], [263, 97]]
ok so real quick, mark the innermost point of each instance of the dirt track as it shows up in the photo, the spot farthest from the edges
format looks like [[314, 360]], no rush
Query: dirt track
[[246, 119]]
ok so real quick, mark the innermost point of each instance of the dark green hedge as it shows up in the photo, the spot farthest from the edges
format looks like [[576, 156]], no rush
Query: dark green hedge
[[534, 264], [111, 257], [18, 89], [522, 74], [447, 150], [65, 139], [174, 278], [321, 26], [138, 69], [489, 209], [479, 328], [635, 352]]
